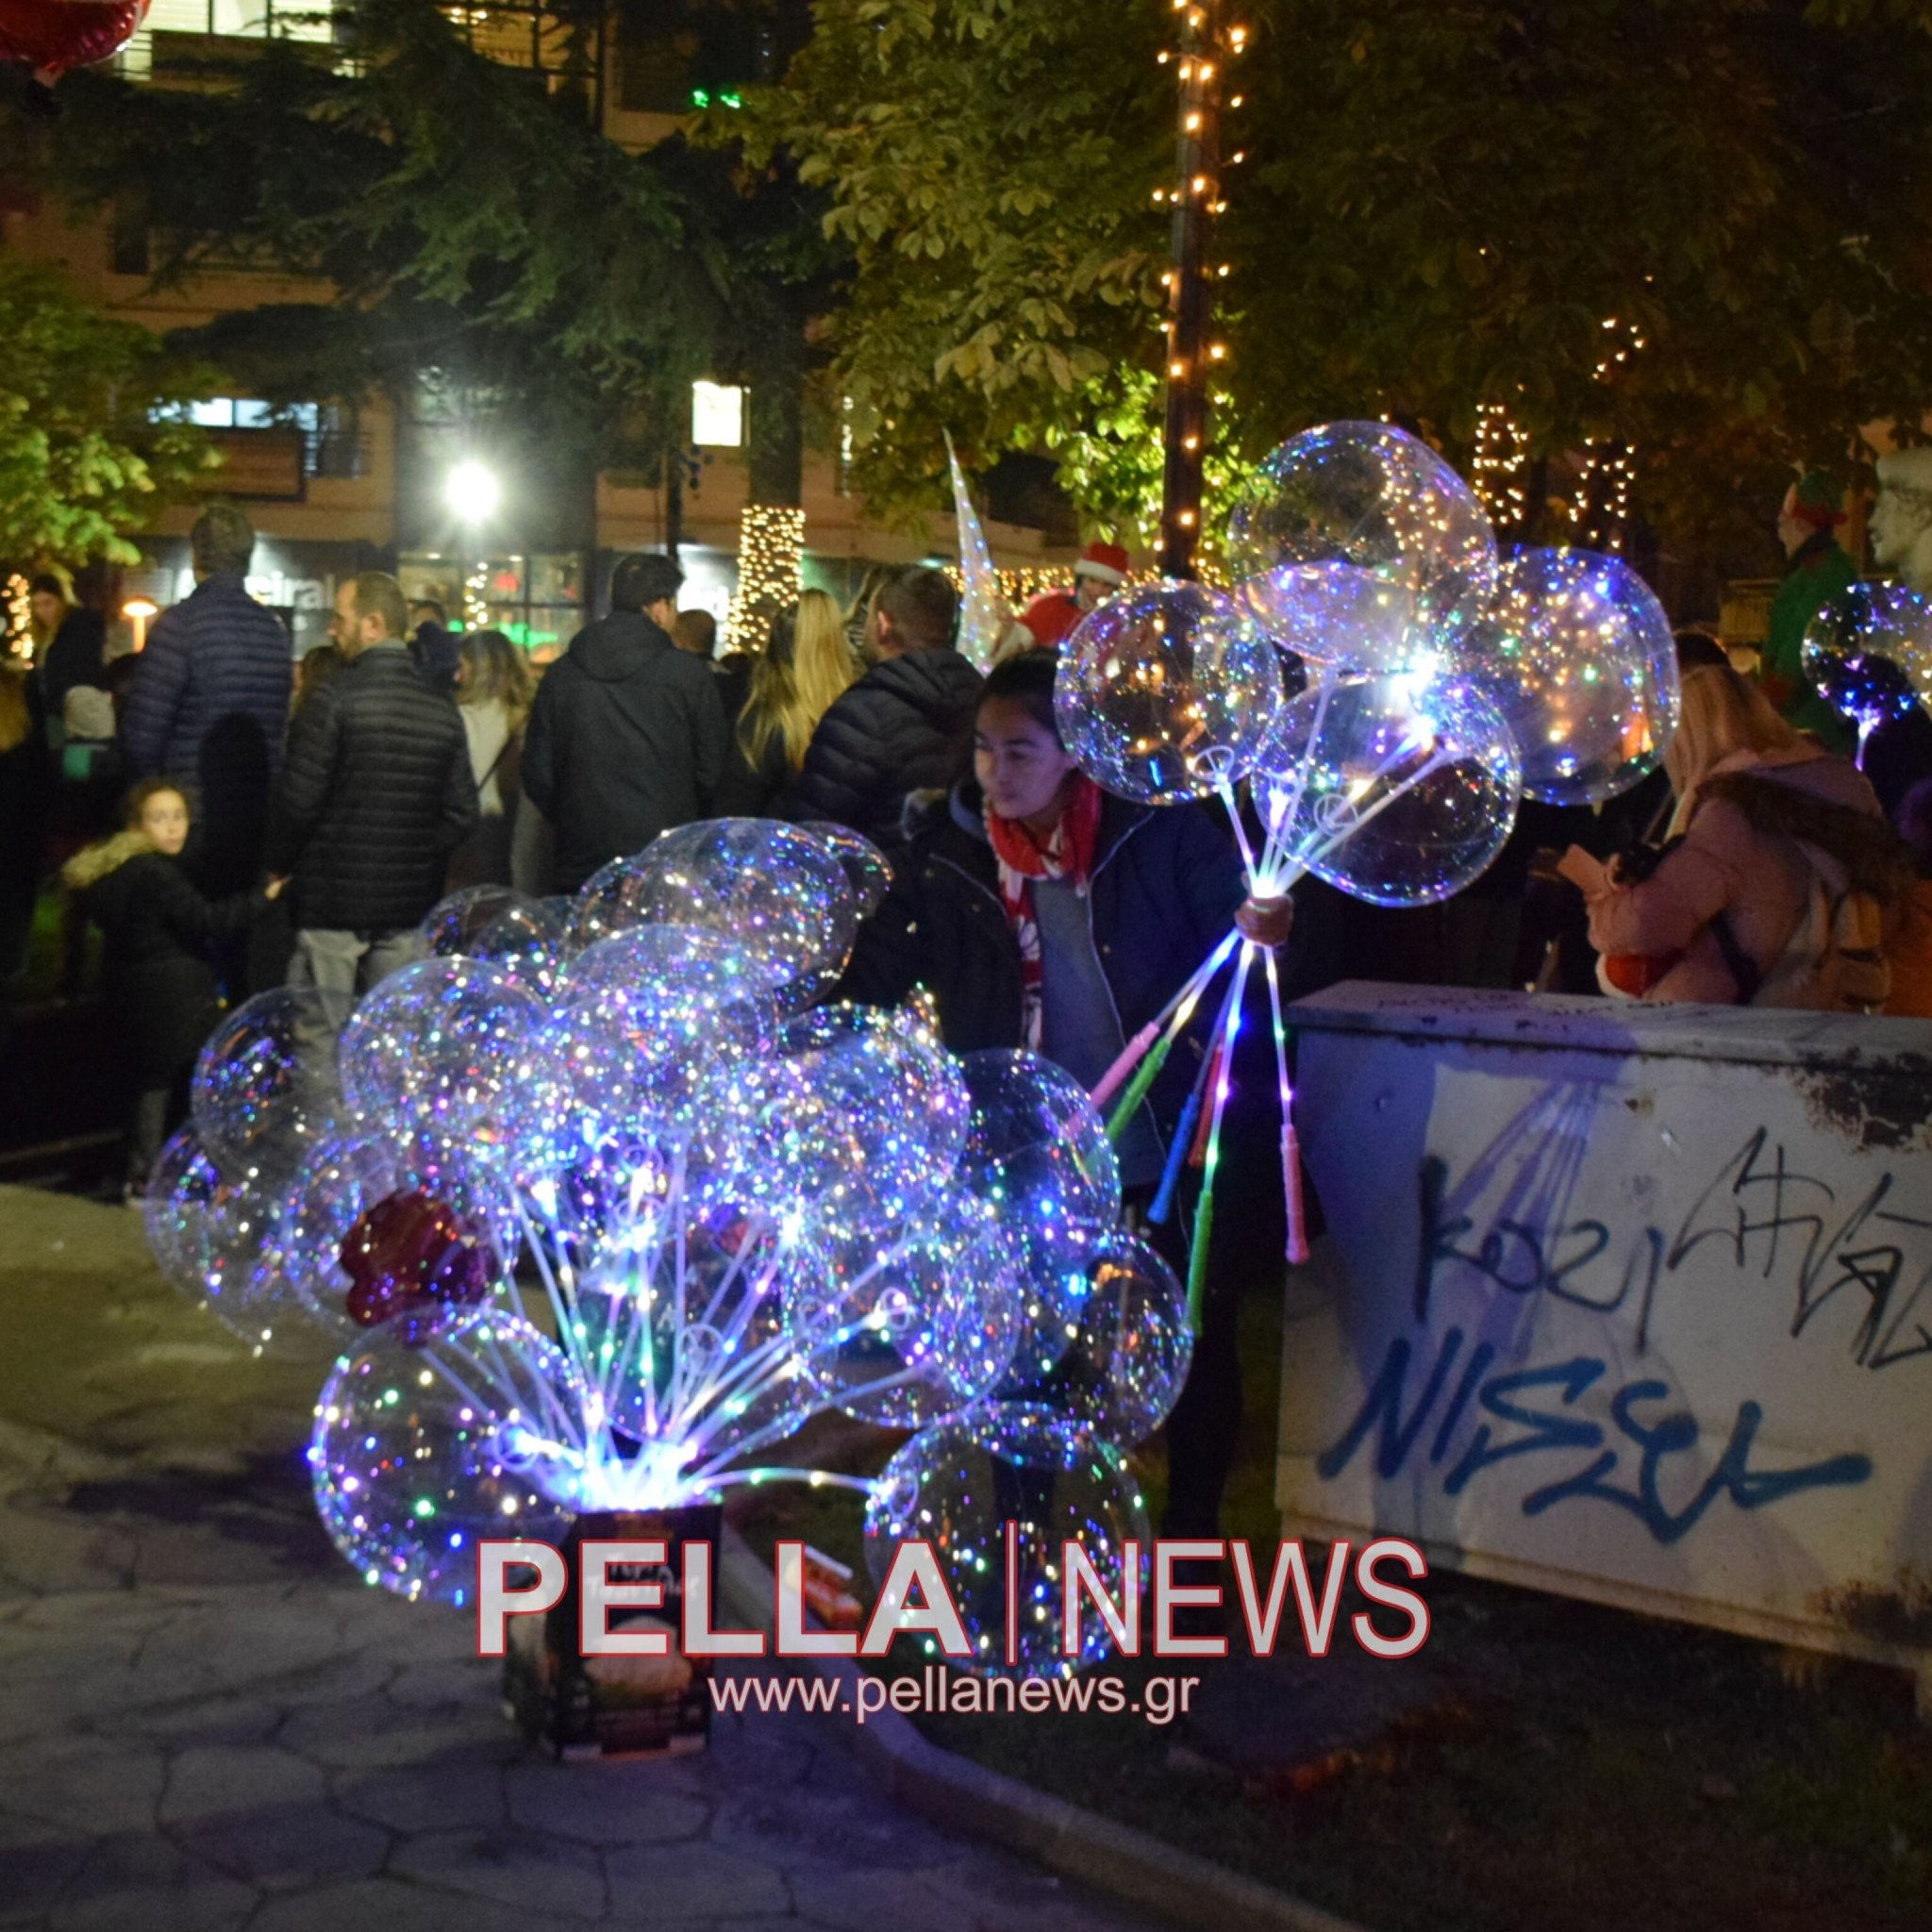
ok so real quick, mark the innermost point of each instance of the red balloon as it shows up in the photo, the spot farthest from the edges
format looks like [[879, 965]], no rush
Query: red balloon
[[409, 1256], [51, 36]]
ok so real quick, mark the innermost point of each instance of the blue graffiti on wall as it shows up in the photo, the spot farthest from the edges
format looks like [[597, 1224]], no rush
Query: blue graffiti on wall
[[1552, 1428]]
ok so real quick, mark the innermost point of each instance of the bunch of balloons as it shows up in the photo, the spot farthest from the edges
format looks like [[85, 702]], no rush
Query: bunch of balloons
[[1386, 686], [602, 1204], [1869, 650]]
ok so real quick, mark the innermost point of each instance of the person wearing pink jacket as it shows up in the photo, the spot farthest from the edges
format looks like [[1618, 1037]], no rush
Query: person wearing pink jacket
[[1779, 880]]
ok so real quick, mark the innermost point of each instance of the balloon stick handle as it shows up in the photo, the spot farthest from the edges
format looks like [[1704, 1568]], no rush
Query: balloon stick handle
[[1291, 1190]]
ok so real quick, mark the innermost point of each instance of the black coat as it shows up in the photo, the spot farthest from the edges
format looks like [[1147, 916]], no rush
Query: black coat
[[907, 725], [1166, 884], [160, 935], [626, 739], [376, 793], [77, 655]]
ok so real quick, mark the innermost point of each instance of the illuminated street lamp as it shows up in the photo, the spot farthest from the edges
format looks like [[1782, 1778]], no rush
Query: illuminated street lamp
[[472, 492]]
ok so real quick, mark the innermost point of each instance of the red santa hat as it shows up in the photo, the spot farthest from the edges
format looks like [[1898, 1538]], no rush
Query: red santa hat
[[1106, 562]]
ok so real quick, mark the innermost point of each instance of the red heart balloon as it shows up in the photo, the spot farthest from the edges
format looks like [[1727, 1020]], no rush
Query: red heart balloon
[[409, 1256], [51, 36]]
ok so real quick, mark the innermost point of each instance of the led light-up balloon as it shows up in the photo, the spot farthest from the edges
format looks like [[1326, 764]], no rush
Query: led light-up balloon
[[1166, 692], [1361, 551], [1869, 650], [265, 1087], [954, 1486], [1395, 789], [420, 1452], [1578, 656]]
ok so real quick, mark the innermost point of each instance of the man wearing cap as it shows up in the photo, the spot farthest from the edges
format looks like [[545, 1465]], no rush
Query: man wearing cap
[[1818, 568], [1051, 617]]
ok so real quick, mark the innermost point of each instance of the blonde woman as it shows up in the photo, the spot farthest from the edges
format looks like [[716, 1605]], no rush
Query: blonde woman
[[805, 666], [494, 689], [1780, 874]]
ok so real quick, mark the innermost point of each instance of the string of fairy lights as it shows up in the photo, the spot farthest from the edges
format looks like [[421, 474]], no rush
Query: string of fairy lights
[[771, 555], [1209, 44]]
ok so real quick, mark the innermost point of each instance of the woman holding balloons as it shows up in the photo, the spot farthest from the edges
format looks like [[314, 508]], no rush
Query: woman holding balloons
[[1039, 911]]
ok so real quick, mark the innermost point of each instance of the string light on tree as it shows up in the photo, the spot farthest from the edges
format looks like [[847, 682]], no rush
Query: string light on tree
[[19, 613], [771, 550], [1208, 41], [1496, 468]]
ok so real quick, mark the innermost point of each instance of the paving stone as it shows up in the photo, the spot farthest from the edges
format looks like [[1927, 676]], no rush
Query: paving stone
[[211, 1781], [862, 1901], [210, 1721], [142, 1881], [811, 1825], [457, 1679], [444, 1793], [653, 1883], [88, 1786], [398, 1905], [635, 1802], [285, 1847], [521, 1870], [368, 1732], [37, 1862]]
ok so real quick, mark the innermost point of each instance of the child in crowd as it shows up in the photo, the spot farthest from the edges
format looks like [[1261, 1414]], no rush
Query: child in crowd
[[161, 936], [1039, 911]]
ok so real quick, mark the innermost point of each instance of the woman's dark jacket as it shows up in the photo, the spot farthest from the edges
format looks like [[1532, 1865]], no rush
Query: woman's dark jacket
[[1166, 884], [160, 935], [376, 793]]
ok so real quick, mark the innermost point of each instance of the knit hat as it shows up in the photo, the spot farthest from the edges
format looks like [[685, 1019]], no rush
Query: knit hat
[[1106, 562], [1817, 498]]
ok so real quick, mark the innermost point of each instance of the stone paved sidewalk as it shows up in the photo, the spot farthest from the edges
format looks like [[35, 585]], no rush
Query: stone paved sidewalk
[[207, 1722]]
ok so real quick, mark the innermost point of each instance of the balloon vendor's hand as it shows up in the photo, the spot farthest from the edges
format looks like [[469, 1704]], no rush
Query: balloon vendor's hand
[[1266, 921]]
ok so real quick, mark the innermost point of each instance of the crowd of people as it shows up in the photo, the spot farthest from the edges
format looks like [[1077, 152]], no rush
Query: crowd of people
[[293, 825]]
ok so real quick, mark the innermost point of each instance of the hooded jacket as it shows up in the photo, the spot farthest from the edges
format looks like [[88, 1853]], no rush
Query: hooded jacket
[[1164, 889], [626, 739], [207, 706], [160, 935], [906, 727], [1758, 880], [375, 794]]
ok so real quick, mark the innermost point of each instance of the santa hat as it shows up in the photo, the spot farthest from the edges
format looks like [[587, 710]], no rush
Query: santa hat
[[1817, 498], [1106, 562]]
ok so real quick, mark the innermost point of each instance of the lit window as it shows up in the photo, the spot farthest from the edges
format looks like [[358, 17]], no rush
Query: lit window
[[717, 415]]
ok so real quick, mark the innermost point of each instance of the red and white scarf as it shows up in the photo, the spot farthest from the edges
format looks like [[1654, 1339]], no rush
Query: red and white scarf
[[1023, 856]]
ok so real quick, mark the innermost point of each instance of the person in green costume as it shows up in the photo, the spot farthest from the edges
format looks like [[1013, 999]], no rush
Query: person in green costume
[[1818, 568]]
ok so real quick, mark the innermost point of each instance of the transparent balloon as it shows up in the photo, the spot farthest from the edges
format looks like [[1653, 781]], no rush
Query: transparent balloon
[[783, 892], [265, 1087], [1396, 789], [1123, 1371], [954, 1485], [1360, 550], [1578, 656], [1166, 692], [418, 1453], [1869, 650], [1038, 1153], [439, 1049], [529, 939], [906, 1327]]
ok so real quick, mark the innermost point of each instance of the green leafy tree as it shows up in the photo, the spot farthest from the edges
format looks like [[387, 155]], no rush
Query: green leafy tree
[[490, 247], [87, 449], [1693, 229]]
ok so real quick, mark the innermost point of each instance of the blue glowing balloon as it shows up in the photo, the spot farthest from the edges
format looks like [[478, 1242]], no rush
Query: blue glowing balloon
[[1360, 550], [1869, 650], [265, 1087], [953, 1486], [529, 939], [418, 1453], [1397, 789], [1166, 692], [1578, 656]]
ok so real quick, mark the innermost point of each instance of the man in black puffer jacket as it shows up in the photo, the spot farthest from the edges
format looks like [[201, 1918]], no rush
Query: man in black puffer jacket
[[907, 725], [628, 738], [376, 793]]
